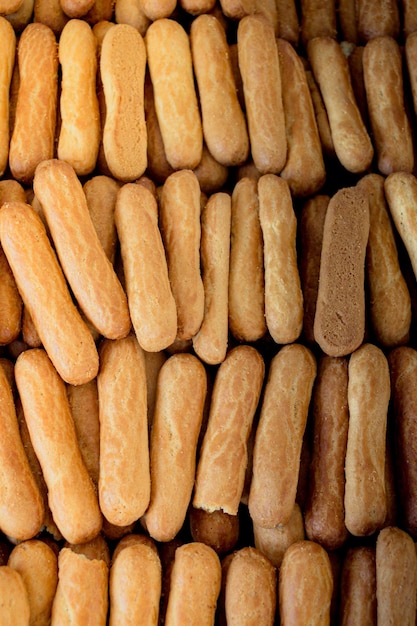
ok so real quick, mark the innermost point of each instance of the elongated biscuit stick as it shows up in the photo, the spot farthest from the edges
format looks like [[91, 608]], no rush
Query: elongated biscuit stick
[[351, 140], [283, 295], [369, 391], [223, 456], [180, 397], [7, 59], [22, 511], [122, 72], [279, 435], [92, 277], [171, 71], [246, 274], [135, 585], [304, 169], [124, 479], [179, 217], [82, 589], [79, 135], [45, 293], [224, 124], [33, 136], [389, 296], [260, 71], [151, 302], [195, 586], [210, 342], [71, 494], [391, 128]]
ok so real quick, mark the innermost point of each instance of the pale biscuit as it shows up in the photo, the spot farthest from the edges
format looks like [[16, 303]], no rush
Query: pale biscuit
[[171, 70], [122, 72]]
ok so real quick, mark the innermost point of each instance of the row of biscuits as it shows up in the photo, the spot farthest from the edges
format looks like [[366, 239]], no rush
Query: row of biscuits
[[234, 273], [329, 531], [128, 588]]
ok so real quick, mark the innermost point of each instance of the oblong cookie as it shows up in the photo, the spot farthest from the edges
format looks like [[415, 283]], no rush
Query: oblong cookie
[[339, 321], [122, 70]]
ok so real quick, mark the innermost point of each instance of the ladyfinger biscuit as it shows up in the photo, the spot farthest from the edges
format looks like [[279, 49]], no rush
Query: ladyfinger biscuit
[[403, 371], [94, 549], [409, 17], [180, 397], [311, 224], [124, 481], [135, 586], [14, 598], [71, 495], [350, 137], [33, 135], [84, 405], [171, 70], [347, 20], [50, 13], [152, 306], [196, 7], [133, 539], [401, 195], [389, 297], [305, 585], [322, 118], [358, 587], [195, 586], [251, 589], [318, 19], [224, 124], [131, 12], [22, 510], [179, 218], [260, 72], [391, 131], [88, 270], [216, 529], [223, 454], [269, 10], [79, 133], [122, 72], [369, 393], [159, 9], [396, 577], [82, 590], [158, 166], [377, 19], [304, 169], [237, 9], [8, 53], [76, 8], [246, 272], [48, 524], [274, 542], [279, 435], [410, 54], [9, 6], [339, 322], [211, 175], [101, 193], [283, 294], [44, 291], [10, 303], [325, 510], [37, 564], [210, 342], [20, 18]]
